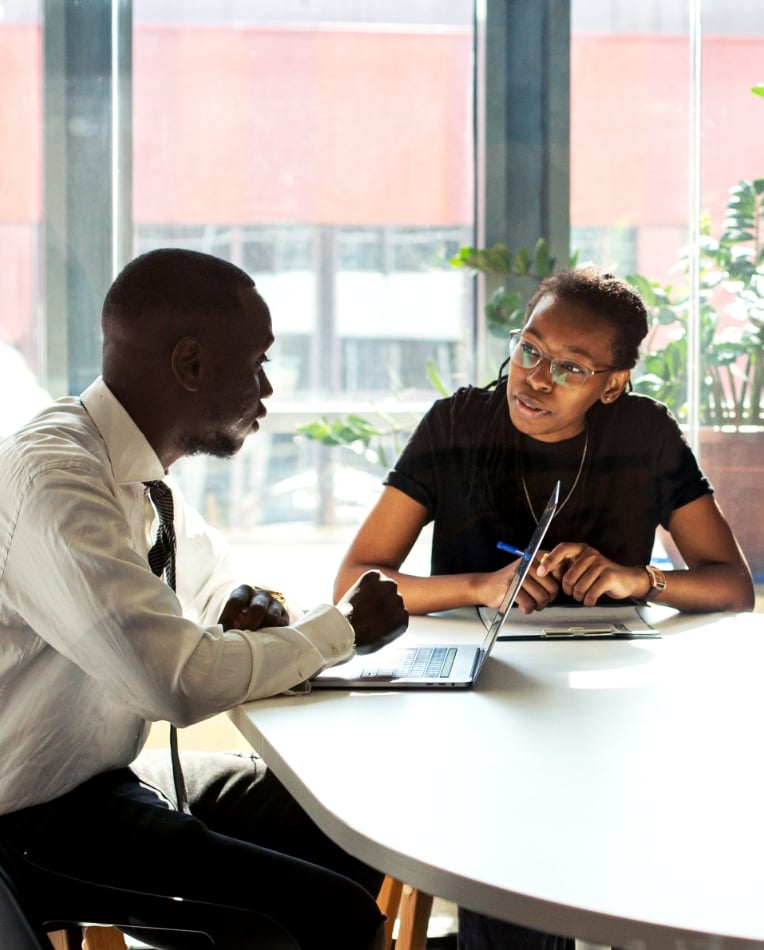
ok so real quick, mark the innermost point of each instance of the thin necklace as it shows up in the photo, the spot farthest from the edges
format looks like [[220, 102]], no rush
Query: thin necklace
[[566, 499]]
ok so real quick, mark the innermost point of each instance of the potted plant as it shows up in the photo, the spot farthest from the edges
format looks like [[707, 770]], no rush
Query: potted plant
[[731, 285], [731, 345]]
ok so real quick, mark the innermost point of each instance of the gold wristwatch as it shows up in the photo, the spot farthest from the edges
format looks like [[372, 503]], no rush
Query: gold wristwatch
[[275, 594], [657, 583]]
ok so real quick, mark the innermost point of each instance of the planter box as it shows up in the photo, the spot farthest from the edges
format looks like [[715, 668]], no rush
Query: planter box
[[734, 464]]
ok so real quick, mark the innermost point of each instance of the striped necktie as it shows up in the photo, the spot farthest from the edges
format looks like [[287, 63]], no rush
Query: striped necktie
[[162, 554], [162, 561]]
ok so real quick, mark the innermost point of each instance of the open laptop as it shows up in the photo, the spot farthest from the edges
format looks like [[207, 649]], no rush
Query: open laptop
[[452, 665]]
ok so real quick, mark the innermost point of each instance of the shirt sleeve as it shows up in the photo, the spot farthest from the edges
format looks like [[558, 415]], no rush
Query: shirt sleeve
[[416, 470], [680, 478], [73, 572]]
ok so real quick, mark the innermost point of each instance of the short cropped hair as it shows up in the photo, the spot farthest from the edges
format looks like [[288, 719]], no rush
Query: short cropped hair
[[172, 283], [610, 297]]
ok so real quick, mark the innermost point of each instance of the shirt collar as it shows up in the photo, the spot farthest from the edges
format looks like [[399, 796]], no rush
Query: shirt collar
[[132, 458]]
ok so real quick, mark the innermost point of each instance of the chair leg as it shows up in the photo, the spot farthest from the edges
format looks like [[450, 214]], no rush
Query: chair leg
[[414, 916], [388, 901], [103, 938], [61, 940]]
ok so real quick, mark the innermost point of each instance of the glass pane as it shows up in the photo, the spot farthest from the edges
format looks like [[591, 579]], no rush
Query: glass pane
[[629, 134], [731, 274], [326, 147], [22, 362], [653, 192]]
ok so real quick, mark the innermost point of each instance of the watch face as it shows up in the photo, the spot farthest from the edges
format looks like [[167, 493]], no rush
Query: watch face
[[656, 578]]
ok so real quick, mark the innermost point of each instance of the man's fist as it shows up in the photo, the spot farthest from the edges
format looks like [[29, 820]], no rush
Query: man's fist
[[250, 608], [375, 610]]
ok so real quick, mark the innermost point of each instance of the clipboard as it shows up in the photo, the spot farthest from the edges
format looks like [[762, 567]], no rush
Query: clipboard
[[579, 623]]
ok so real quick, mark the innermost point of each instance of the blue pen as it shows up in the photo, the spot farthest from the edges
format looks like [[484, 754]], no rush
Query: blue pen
[[512, 550]]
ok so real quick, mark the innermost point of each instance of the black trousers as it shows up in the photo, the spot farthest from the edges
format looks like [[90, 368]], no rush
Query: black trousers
[[247, 847], [477, 932]]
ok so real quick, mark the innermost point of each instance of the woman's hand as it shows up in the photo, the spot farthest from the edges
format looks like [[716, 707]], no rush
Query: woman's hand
[[536, 593], [586, 575]]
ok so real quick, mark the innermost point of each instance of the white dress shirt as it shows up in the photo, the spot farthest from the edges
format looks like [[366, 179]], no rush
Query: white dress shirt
[[93, 646]]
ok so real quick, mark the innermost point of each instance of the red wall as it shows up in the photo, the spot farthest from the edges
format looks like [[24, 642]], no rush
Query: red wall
[[276, 126], [630, 125], [301, 125], [20, 185], [20, 124]]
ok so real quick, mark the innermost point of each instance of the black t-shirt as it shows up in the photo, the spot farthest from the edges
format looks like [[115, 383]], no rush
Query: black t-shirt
[[466, 463]]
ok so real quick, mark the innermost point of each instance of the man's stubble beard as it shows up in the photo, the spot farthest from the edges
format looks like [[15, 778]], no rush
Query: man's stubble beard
[[219, 445]]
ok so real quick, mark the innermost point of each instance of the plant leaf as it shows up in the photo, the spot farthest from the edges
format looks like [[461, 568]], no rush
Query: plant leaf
[[435, 378]]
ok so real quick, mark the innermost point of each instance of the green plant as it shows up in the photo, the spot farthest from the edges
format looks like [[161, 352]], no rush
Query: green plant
[[367, 438], [731, 331], [731, 324], [505, 309]]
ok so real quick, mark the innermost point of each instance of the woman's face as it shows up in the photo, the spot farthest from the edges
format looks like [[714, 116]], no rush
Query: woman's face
[[549, 411]]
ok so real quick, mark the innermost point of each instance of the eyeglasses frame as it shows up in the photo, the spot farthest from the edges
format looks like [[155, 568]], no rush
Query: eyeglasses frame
[[515, 336]]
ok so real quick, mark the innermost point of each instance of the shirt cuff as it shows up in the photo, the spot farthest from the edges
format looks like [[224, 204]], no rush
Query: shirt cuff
[[329, 632]]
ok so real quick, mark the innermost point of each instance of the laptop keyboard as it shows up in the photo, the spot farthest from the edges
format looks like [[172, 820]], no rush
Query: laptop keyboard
[[417, 662]]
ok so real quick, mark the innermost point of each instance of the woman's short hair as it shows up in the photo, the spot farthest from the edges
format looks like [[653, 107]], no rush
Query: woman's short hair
[[607, 296]]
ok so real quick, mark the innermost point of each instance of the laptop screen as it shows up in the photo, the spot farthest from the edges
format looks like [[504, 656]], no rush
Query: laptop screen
[[521, 573]]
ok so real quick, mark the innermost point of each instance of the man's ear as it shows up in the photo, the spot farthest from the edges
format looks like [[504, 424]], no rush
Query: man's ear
[[616, 384], [187, 361]]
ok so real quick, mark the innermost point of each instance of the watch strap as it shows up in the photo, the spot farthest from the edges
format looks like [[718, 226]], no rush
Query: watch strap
[[657, 584]]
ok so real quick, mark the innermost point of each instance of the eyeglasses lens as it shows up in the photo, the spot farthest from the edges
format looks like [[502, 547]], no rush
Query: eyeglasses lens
[[526, 355]]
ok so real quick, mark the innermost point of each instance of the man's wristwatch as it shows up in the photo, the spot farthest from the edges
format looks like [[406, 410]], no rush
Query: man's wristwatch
[[657, 584]]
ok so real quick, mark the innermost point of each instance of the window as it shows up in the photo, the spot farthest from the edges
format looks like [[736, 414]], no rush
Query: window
[[329, 154], [326, 151], [665, 132]]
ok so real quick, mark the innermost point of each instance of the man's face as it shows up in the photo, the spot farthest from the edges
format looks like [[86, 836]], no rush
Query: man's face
[[235, 383]]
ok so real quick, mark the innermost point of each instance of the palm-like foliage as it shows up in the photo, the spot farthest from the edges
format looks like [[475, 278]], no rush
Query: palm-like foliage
[[505, 310], [731, 279]]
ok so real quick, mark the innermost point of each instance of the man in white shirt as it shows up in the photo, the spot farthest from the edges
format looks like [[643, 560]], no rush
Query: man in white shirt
[[94, 646]]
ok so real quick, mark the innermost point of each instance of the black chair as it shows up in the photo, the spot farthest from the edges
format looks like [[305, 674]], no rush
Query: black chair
[[17, 928], [140, 914]]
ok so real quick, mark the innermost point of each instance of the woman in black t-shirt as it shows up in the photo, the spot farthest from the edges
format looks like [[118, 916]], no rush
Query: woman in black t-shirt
[[482, 463]]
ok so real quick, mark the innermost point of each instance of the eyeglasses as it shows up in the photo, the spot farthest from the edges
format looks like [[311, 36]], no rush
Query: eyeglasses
[[563, 372]]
